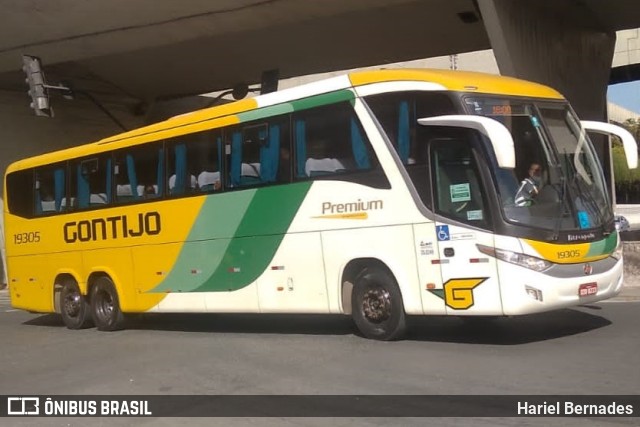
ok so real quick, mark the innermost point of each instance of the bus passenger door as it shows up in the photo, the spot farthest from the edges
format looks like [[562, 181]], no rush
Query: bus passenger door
[[469, 278]]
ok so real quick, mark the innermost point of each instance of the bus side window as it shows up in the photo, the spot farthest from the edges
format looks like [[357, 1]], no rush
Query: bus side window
[[259, 153], [194, 163], [331, 143], [91, 186], [397, 113], [20, 193], [139, 173], [50, 189]]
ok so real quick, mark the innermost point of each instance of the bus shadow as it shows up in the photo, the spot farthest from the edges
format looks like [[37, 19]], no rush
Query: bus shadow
[[303, 324], [495, 331], [505, 330], [52, 320]]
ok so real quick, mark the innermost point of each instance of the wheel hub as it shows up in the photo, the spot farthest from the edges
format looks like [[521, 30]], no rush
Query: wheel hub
[[72, 304], [376, 305], [106, 305]]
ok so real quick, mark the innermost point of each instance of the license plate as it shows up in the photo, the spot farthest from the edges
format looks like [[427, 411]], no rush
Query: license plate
[[588, 289]]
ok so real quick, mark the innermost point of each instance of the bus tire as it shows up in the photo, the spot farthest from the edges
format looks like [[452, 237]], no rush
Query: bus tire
[[376, 305], [105, 306], [74, 307]]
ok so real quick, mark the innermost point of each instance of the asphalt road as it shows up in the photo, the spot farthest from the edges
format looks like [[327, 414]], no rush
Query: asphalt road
[[588, 350]]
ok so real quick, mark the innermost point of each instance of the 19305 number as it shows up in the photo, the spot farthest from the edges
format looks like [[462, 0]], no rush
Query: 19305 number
[[569, 254], [23, 238]]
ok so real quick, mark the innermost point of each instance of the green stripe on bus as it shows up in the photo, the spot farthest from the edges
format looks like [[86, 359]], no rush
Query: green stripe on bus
[[604, 246], [258, 237], [324, 99], [208, 240], [261, 113], [234, 238], [302, 104]]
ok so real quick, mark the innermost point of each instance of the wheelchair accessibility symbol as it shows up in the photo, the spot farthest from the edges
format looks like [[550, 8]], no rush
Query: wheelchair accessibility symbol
[[442, 232]]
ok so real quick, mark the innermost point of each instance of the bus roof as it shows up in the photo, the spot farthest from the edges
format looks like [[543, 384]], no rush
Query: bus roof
[[227, 114]]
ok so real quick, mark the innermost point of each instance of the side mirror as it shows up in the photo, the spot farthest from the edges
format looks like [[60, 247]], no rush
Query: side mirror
[[498, 134], [628, 141]]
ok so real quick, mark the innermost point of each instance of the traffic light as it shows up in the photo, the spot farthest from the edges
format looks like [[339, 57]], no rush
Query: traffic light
[[37, 86]]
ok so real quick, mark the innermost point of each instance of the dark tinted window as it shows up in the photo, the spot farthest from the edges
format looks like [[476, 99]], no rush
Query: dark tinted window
[[330, 143], [20, 194], [139, 173], [258, 153], [194, 163], [51, 189]]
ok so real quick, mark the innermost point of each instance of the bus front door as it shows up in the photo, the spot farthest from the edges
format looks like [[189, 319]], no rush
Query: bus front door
[[470, 283]]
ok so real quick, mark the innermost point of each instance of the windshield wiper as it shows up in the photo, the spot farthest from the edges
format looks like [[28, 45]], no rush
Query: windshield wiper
[[563, 205]]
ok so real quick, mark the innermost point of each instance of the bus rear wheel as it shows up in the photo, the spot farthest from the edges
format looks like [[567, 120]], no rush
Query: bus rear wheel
[[74, 307], [105, 306], [377, 307]]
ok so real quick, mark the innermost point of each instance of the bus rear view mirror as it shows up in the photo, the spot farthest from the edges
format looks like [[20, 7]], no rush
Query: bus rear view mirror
[[628, 141], [497, 133]]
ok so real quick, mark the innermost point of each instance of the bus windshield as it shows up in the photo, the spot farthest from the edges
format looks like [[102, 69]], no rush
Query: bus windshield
[[557, 183]]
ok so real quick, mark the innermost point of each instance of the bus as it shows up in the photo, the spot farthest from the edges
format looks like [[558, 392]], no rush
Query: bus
[[376, 194]]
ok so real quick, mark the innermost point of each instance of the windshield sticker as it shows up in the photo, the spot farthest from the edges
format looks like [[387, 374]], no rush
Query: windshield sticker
[[535, 122], [474, 215], [583, 219], [460, 192]]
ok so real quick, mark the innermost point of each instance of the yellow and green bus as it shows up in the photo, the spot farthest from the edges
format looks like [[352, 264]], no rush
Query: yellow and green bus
[[377, 194]]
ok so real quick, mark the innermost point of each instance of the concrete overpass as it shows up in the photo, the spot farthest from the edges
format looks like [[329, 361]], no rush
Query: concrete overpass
[[626, 59], [130, 55]]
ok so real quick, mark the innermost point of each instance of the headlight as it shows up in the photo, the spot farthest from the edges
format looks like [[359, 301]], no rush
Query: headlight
[[522, 260]]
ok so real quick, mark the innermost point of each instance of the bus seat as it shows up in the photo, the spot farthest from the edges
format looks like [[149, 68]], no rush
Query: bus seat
[[123, 192], [250, 174], [172, 183], [315, 167], [96, 199], [48, 206], [207, 180], [63, 203]]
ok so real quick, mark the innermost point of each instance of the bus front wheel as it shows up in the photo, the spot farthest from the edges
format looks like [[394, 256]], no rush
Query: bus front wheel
[[377, 307], [105, 306], [74, 307]]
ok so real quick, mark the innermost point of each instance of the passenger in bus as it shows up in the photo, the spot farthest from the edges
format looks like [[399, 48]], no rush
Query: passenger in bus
[[284, 167], [47, 200], [530, 186], [319, 162], [209, 181], [149, 191]]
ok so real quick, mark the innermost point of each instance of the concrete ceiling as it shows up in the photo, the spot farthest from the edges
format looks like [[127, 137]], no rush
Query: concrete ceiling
[[150, 49]]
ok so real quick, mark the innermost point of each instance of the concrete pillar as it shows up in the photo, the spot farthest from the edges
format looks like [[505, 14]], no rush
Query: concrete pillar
[[559, 44]]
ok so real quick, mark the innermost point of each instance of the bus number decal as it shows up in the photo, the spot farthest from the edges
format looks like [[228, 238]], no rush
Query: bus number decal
[[569, 254], [458, 293], [23, 238]]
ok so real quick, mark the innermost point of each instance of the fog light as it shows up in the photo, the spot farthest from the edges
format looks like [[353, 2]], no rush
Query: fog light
[[534, 293]]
